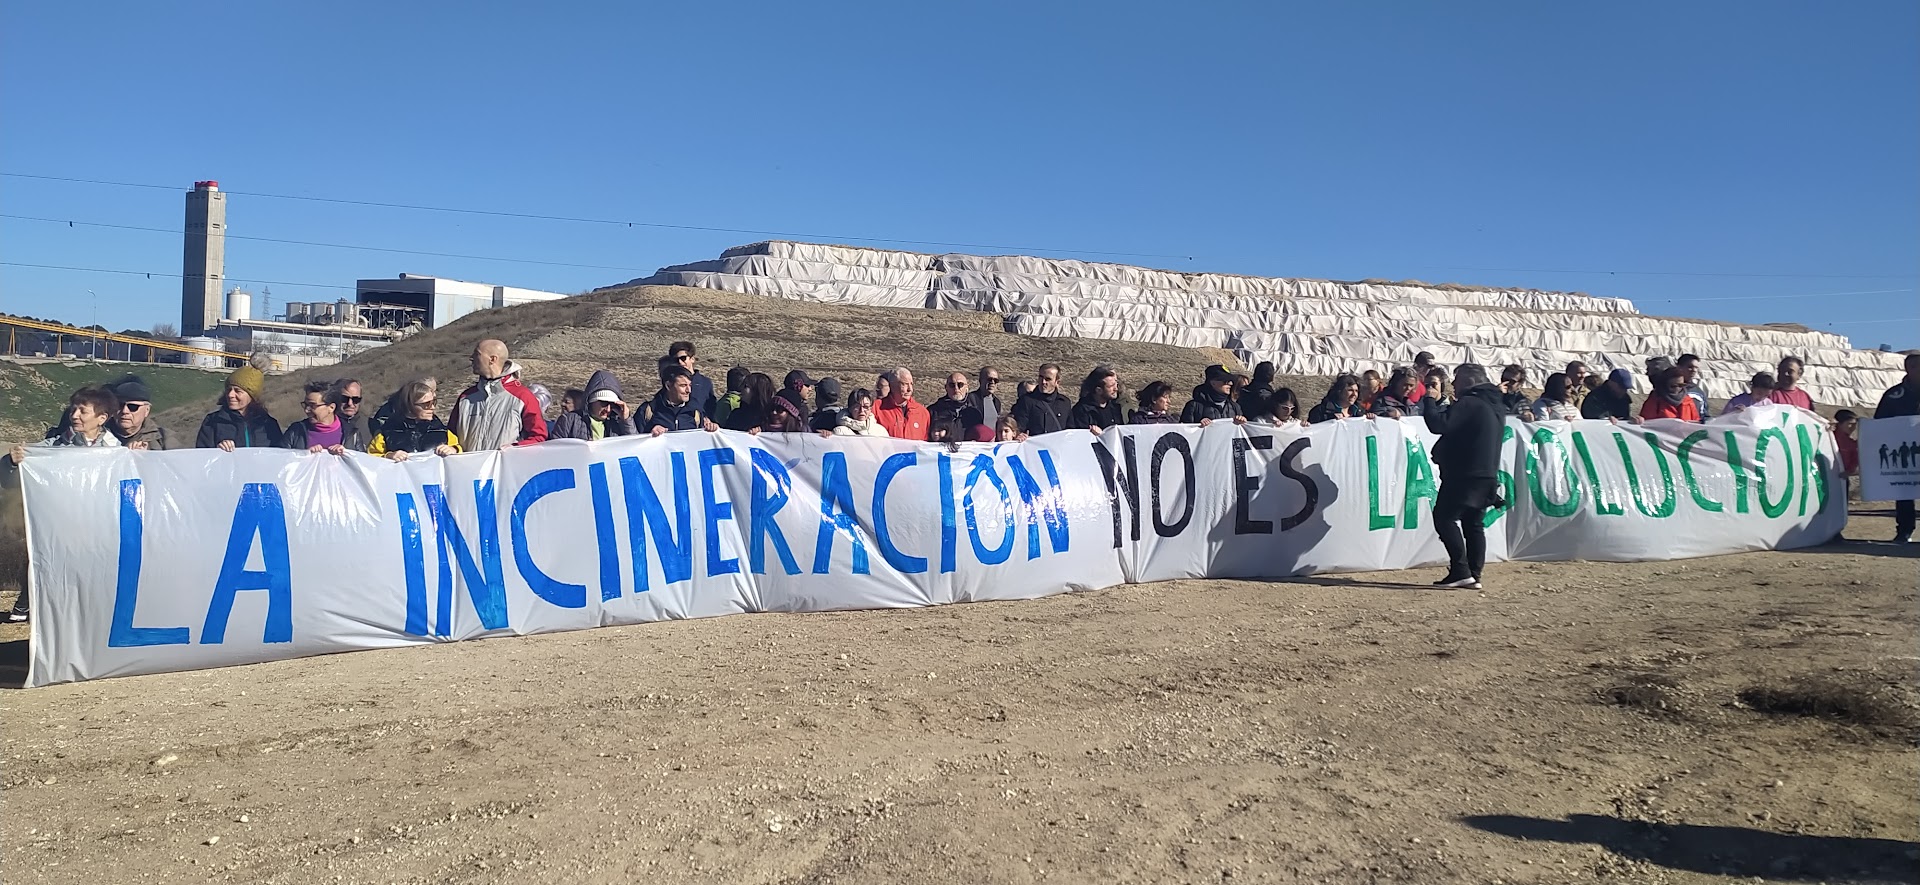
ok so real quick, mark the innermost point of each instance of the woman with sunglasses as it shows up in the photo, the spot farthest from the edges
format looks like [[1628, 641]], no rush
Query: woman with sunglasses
[[323, 429], [419, 431]]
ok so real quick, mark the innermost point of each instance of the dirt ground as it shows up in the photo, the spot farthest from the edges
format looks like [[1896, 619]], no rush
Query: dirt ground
[[1574, 721]]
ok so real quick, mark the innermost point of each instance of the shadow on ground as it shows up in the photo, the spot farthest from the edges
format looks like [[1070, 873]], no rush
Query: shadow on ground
[[13, 663], [1724, 851]]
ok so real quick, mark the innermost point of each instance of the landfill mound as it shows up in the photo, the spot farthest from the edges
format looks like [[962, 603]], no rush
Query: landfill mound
[[1306, 327]]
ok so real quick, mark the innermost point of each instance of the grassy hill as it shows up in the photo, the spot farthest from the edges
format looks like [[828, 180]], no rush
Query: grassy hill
[[559, 343], [32, 395]]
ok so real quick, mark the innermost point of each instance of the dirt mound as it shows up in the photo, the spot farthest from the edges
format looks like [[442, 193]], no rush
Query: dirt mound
[[561, 342]]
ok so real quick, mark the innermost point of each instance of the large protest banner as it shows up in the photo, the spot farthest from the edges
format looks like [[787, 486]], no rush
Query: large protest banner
[[149, 562], [1890, 459]]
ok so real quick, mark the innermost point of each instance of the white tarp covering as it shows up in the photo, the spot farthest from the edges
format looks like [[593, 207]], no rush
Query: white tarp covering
[[147, 562], [1302, 326]]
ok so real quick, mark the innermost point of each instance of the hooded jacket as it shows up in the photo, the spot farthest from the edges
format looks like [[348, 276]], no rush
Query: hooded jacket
[[411, 435], [579, 424], [255, 429], [1470, 430], [1602, 403], [1383, 401], [1328, 410], [1210, 405], [1040, 413]]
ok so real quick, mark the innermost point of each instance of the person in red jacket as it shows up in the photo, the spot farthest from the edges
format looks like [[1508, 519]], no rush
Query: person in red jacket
[[498, 411], [898, 413], [1669, 398]]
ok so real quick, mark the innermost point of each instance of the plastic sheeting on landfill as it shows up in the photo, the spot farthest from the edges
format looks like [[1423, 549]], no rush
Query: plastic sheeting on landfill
[[1302, 326], [146, 562]]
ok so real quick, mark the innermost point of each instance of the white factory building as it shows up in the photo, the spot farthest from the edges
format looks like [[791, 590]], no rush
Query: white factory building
[[436, 301]]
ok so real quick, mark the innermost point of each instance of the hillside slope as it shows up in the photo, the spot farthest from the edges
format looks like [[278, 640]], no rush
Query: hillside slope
[[32, 395], [559, 343]]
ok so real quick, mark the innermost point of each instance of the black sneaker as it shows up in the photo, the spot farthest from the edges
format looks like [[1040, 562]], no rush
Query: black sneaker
[[17, 616], [1905, 537], [1452, 583]]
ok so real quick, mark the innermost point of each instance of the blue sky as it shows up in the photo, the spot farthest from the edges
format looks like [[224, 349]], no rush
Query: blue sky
[[1738, 161]]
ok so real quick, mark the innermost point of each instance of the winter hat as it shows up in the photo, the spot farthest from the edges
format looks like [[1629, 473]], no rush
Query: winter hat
[[1217, 373], [828, 390], [132, 390], [250, 377]]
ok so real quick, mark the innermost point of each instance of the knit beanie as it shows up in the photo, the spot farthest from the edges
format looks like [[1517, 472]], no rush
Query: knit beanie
[[249, 378]]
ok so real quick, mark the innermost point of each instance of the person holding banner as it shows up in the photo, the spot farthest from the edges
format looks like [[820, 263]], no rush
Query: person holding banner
[[1343, 401], [1099, 405], [324, 429], [1902, 401], [1212, 401], [416, 431], [1669, 398], [241, 421], [1468, 458]]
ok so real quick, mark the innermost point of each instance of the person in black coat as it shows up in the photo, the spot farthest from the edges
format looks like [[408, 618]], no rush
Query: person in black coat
[[1099, 405], [1213, 401], [1045, 409], [1468, 457], [1900, 401]]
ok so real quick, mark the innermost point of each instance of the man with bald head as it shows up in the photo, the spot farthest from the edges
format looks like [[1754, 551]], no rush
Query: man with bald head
[[497, 412]]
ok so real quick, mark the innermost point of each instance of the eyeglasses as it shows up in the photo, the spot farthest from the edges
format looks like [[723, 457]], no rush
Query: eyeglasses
[[132, 407], [993, 380], [311, 406], [350, 399], [956, 383]]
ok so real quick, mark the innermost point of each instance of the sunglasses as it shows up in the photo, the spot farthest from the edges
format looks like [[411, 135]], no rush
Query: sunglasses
[[994, 380], [956, 383], [350, 399], [132, 407]]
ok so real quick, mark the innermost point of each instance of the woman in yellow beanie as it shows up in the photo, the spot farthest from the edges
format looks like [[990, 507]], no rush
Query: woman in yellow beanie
[[241, 421]]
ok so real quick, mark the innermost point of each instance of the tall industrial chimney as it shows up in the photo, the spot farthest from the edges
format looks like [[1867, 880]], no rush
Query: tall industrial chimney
[[203, 263]]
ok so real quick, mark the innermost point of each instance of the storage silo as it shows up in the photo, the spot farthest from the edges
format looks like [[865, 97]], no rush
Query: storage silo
[[239, 305], [202, 360]]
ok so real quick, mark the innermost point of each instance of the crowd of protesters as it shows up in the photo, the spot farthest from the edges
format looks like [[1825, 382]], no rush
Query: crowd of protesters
[[501, 410]]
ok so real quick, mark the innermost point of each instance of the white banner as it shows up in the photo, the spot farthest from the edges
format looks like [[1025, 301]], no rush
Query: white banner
[[1890, 459], [146, 562]]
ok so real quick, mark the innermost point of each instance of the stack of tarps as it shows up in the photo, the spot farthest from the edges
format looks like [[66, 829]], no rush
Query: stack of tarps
[[1309, 327]]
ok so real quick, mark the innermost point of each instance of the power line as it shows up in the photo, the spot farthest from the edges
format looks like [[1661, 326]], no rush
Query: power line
[[1771, 297], [157, 273], [162, 230], [612, 222], [820, 236], [1681, 273]]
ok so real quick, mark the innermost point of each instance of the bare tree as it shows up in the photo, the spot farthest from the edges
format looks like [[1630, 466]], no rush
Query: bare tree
[[165, 332]]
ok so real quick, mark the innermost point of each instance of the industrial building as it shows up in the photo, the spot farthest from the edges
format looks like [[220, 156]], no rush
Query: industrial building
[[305, 333], [437, 301]]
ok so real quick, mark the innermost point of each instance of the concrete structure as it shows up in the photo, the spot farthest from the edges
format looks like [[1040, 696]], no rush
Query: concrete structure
[[205, 343], [441, 301], [239, 305], [203, 267]]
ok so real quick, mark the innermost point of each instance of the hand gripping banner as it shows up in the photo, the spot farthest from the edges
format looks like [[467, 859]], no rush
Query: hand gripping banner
[[147, 562]]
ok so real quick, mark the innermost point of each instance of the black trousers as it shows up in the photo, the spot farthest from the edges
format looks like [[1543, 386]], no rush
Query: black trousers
[[1459, 518], [1903, 516]]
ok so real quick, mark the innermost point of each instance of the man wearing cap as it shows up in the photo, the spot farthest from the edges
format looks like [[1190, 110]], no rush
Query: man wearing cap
[[799, 386], [1613, 399], [605, 411], [134, 425], [827, 407], [1213, 401], [497, 412], [899, 413]]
